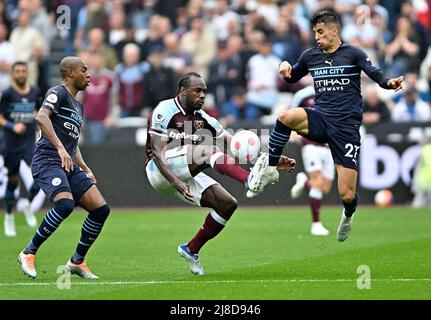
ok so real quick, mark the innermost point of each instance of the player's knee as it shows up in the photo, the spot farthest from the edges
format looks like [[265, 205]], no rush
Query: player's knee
[[10, 190], [284, 117], [347, 195], [231, 206], [100, 214], [64, 207]]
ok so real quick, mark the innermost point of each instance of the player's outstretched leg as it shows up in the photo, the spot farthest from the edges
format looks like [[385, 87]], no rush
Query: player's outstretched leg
[[62, 209], [345, 226], [224, 206], [91, 229]]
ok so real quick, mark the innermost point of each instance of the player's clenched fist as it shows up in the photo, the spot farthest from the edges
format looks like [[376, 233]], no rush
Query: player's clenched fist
[[285, 69]]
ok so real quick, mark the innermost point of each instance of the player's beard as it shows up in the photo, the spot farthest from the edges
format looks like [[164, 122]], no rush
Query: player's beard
[[21, 82]]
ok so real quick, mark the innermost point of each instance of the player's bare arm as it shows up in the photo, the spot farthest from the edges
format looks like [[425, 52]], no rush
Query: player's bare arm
[[44, 121], [158, 146], [81, 163]]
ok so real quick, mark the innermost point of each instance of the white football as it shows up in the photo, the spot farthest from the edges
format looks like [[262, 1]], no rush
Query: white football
[[245, 146]]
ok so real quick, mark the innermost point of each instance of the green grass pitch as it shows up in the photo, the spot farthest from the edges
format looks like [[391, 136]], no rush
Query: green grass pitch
[[262, 254]]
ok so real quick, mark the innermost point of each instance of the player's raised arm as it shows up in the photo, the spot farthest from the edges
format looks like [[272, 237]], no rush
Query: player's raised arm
[[376, 74], [158, 147], [43, 120], [292, 74]]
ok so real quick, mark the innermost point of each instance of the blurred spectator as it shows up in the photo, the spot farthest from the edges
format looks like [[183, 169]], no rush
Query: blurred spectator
[[75, 6], [420, 27], [375, 109], [117, 27], [159, 27], [223, 75], [383, 37], [238, 52], [42, 22], [98, 100], [4, 18], [96, 44], [237, 108], [169, 8], [376, 8], [7, 57], [362, 33], [178, 60], [201, 44], [141, 18], [287, 41], [403, 52], [269, 10], [224, 18], [421, 182], [93, 15], [411, 108], [130, 75], [262, 77], [29, 45], [129, 37], [159, 82], [411, 81]]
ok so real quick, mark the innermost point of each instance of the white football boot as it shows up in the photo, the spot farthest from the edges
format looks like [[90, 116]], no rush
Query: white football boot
[[80, 269], [344, 228], [30, 218], [296, 191], [261, 175], [191, 258], [9, 225], [317, 229], [26, 262]]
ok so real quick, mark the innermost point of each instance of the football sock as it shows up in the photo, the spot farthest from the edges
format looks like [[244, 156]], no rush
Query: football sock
[[350, 207], [34, 189], [315, 199], [9, 197], [224, 164], [50, 223], [91, 229], [212, 226], [277, 140]]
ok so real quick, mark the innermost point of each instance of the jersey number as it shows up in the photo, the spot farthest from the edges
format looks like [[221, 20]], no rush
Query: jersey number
[[350, 149]]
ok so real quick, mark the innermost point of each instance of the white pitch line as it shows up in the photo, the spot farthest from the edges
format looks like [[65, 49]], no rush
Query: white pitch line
[[113, 283]]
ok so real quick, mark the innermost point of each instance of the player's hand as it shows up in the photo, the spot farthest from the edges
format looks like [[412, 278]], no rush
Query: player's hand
[[183, 188], [19, 128], [285, 69], [66, 160], [90, 174], [396, 83], [286, 164]]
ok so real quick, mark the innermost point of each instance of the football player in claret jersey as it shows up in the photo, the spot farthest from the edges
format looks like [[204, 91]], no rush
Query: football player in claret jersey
[[18, 106], [336, 69], [179, 147], [59, 169]]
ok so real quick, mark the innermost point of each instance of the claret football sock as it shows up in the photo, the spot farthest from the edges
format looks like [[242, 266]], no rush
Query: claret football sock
[[212, 226], [224, 164]]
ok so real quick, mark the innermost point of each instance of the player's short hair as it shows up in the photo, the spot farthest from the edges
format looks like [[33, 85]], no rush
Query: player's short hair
[[186, 80], [19, 63], [325, 16]]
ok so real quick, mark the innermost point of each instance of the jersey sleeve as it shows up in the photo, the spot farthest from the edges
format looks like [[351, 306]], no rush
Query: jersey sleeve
[[159, 122], [366, 65], [53, 99], [213, 122], [299, 69]]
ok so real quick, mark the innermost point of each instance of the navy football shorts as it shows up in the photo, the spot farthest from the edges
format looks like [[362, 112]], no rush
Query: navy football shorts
[[344, 141], [53, 179], [13, 158]]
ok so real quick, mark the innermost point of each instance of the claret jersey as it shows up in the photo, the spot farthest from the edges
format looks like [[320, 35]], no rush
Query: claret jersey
[[170, 120]]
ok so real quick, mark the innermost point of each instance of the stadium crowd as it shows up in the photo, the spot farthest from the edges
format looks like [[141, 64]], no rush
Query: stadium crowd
[[136, 51]]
